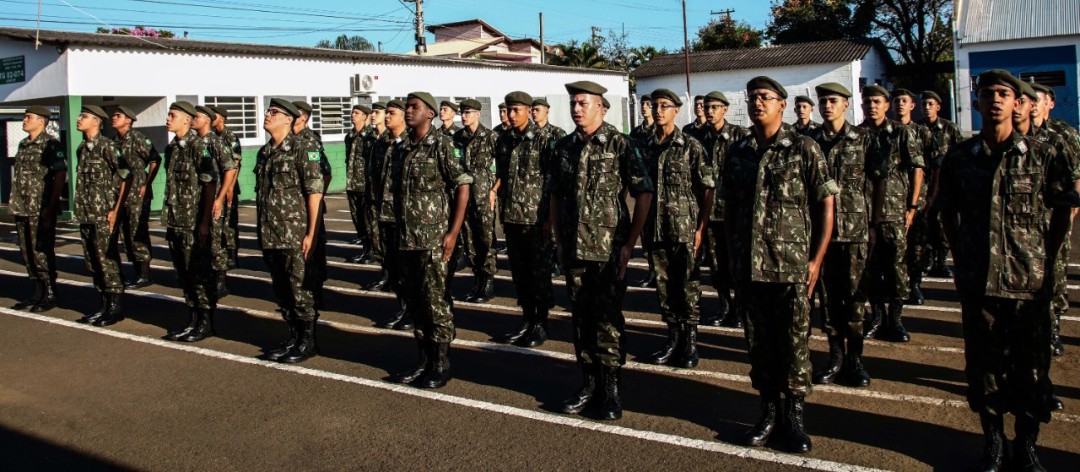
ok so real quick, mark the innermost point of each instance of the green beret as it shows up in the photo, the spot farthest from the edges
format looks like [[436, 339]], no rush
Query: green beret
[[646, 97], [449, 104], [1027, 89], [470, 104], [584, 86], [899, 92], [423, 97], [303, 106], [715, 96], [803, 98], [518, 98], [395, 104], [378, 106], [832, 88], [126, 112], [604, 102], [366, 110], [997, 77], [699, 98], [185, 107], [875, 90], [767, 83], [541, 101], [96, 111], [39, 111], [502, 106], [285, 105], [206, 111], [667, 95], [927, 94], [1041, 88], [221, 111]]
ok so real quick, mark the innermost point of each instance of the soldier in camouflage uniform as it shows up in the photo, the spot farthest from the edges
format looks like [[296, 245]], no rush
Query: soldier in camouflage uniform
[[675, 228], [374, 217], [477, 147], [647, 127], [945, 135], [38, 178], [779, 215], [504, 121], [317, 269], [357, 143], [289, 188], [231, 232], [101, 184], [897, 162], [717, 139], [591, 170], [144, 160], [191, 183], [804, 112], [552, 134], [381, 163], [447, 111], [918, 252], [700, 121], [431, 194], [844, 147], [377, 125], [1005, 202], [225, 168]]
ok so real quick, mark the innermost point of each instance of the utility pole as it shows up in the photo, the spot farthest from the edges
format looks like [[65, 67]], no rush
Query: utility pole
[[542, 61], [727, 13], [421, 41], [686, 48], [596, 36]]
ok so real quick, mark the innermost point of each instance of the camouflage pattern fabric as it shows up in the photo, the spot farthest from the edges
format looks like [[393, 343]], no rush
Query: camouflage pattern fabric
[[917, 255], [357, 146], [449, 131], [379, 190], [231, 232], [316, 264], [716, 144], [292, 283], [426, 291], [677, 282], [887, 273], [845, 157], [695, 129], [223, 162], [894, 154], [102, 257], [523, 163], [478, 156], [529, 249], [944, 135], [640, 134], [778, 330], [596, 296], [806, 130], [681, 174], [390, 261], [841, 275], [189, 165], [285, 175], [1053, 138], [192, 262], [425, 176], [36, 163], [97, 185], [37, 244]]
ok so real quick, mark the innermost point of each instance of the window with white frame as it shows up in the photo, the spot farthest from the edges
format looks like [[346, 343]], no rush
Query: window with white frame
[[331, 115], [243, 114]]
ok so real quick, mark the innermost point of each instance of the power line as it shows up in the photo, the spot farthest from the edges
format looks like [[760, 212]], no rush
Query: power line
[[266, 9], [200, 15]]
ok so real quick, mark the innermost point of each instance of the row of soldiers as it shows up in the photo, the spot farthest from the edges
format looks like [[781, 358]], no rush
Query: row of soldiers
[[791, 208]]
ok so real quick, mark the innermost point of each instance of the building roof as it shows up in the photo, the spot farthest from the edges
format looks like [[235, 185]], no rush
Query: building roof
[[494, 31], [459, 47], [980, 21], [820, 52], [115, 41]]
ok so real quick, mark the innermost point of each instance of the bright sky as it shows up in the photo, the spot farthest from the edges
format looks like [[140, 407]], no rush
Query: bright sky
[[303, 23]]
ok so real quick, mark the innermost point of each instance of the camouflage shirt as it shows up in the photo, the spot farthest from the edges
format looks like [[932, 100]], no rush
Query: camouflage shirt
[[695, 130], [1069, 137], [313, 139], [449, 132], [1046, 135], [681, 173], [806, 129], [845, 157], [769, 192], [36, 162], [944, 135], [424, 176], [189, 165], [222, 157], [285, 176], [895, 152], [716, 144], [930, 158], [523, 164], [588, 178], [380, 160], [139, 152], [477, 152], [1003, 199], [357, 147], [233, 142], [101, 168], [641, 133]]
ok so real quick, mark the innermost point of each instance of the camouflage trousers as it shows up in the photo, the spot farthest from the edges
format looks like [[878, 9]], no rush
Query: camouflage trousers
[[1007, 353], [935, 236], [886, 274], [716, 256], [677, 286], [842, 299], [134, 221], [102, 256], [316, 270], [231, 232], [596, 296], [292, 283], [192, 261], [529, 250], [918, 243], [1061, 271], [478, 235], [390, 261], [37, 243], [367, 228], [778, 331], [426, 291], [219, 249]]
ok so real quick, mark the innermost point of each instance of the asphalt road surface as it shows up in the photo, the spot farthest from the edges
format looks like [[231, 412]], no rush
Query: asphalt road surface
[[74, 397]]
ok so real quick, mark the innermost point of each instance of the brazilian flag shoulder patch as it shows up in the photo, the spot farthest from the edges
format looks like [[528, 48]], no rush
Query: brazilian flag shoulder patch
[[457, 153], [205, 152], [312, 156]]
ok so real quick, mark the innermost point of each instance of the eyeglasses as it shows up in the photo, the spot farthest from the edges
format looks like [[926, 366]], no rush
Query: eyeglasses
[[84, 115], [274, 112], [665, 107], [751, 99]]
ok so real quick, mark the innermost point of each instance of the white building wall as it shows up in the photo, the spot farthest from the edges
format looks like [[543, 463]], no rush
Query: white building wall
[[46, 71]]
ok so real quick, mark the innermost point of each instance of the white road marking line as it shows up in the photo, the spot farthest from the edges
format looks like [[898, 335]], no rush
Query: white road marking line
[[573, 422]]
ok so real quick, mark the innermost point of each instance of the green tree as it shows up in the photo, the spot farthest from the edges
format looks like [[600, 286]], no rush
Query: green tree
[[578, 54], [726, 33], [348, 43], [918, 31], [801, 21]]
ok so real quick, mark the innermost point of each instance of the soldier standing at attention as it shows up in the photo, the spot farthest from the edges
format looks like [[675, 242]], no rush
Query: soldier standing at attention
[[140, 154], [377, 126], [101, 184], [447, 111], [356, 142], [231, 233], [804, 112], [1005, 203], [504, 121], [945, 135], [552, 134], [317, 264], [377, 161], [382, 163], [225, 169], [645, 129], [917, 255], [38, 178], [844, 147], [779, 204], [592, 167], [522, 165], [431, 193], [288, 202], [699, 123], [476, 145], [675, 228], [191, 187], [896, 156], [716, 140]]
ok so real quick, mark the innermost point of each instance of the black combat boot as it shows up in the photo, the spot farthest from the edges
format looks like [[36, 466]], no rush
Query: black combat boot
[[895, 331], [714, 319], [939, 268], [688, 354], [1055, 403], [873, 321], [485, 288], [797, 439], [664, 355], [233, 258], [759, 434], [193, 320], [48, 297], [204, 326], [521, 331], [317, 294], [113, 311], [142, 276], [222, 287], [1057, 348], [396, 317], [381, 285], [305, 342], [405, 323], [468, 296], [993, 457], [734, 318], [89, 318], [915, 284], [289, 344], [577, 403], [836, 361], [853, 374], [1024, 457], [358, 258], [439, 373], [648, 281], [537, 333], [611, 408], [39, 288], [423, 349]]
